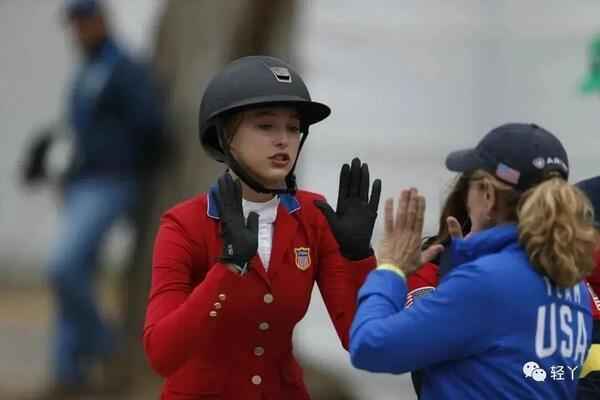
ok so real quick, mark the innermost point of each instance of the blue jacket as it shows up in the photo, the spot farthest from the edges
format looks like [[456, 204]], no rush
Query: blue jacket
[[116, 115], [494, 328]]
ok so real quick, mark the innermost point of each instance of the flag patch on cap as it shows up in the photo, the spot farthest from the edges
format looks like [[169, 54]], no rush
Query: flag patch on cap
[[508, 174]]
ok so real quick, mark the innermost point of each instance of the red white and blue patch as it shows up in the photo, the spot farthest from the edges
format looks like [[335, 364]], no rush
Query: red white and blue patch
[[413, 294], [595, 299], [508, 174], [302, 257]]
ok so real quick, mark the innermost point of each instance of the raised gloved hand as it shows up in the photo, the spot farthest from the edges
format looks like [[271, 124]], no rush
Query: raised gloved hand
[[240, 238], [353, 221]]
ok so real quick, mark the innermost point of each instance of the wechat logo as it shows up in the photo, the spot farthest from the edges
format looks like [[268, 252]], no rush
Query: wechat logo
[[532, 370]]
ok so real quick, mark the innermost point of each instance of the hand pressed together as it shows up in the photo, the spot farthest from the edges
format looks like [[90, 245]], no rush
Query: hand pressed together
[[403, 233], [353, 221]]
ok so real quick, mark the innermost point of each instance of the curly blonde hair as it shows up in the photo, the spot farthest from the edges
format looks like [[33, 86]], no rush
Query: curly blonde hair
[[556, 228]]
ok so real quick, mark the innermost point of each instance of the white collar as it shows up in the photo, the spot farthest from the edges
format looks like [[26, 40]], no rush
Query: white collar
[[267, 211]]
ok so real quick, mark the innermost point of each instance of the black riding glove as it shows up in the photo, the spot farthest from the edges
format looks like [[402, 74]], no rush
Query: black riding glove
[[352, 224], [240, 238], [34, 170]]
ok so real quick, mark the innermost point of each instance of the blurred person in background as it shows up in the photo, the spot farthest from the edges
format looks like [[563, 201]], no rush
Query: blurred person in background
[[115, 115], [492, 328], [234, 268], [589, 384]]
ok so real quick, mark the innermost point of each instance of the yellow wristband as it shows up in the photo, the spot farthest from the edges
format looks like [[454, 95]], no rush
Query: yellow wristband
[[393, 268]]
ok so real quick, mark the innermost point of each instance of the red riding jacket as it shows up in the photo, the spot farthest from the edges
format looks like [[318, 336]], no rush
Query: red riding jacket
[[216, 335]]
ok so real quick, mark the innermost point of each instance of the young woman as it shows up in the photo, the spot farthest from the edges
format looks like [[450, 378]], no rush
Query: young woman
[[234, 269], [511, 319]]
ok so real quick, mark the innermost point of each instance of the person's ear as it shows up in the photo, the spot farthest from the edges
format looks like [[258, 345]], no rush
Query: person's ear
[[490, 197]]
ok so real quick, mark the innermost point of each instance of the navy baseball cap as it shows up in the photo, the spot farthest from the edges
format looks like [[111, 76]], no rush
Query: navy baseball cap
[[591, 188], [520, 155], [82, 8]]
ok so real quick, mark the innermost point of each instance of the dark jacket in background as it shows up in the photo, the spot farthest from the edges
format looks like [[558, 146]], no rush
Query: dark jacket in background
[[115, 112]]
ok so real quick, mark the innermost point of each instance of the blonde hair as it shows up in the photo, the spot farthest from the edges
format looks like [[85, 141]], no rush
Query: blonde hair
[[556, 228]]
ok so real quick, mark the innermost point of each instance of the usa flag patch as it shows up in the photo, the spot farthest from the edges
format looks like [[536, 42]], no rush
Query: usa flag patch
[[302, 257], [595, 298], [508, 174], [418, 292]]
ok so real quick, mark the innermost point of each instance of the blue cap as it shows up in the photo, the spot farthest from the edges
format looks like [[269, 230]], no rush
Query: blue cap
[[520, 155], [591, 188], [82, 8]]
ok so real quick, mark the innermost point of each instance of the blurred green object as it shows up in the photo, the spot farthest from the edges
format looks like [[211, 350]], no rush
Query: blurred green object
[[592, 80]]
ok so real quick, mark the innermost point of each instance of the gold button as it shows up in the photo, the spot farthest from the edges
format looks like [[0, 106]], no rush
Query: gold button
[[218, 306], [256, 379], [263, 326], [259, 351], [213, 314], [222, 297], [268, 298]]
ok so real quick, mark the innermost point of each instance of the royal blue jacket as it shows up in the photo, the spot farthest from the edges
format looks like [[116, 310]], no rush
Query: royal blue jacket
[[495, 328], [116, 115]]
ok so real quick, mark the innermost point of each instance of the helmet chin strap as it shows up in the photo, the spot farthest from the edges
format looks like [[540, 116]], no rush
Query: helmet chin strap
[[240, 171]]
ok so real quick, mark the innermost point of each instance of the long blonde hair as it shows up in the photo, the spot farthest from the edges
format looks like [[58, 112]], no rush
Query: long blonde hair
[[556, 229]]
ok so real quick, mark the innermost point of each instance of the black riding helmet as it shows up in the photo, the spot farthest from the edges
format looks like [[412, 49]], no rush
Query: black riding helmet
[[247, 83]]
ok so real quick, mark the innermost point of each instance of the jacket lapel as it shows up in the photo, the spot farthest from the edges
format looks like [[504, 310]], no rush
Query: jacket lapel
[[284, 232]]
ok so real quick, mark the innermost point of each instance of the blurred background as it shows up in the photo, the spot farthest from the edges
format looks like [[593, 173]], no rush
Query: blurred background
[[408, 81]]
